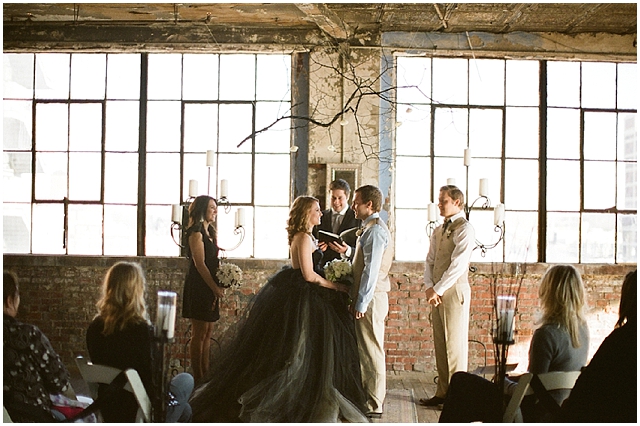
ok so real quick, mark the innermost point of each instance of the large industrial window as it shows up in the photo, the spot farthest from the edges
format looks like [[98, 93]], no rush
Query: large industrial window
[[580, 138], [86, 173]]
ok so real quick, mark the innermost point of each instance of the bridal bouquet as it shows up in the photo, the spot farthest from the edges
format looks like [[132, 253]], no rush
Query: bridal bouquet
[[339, 270], [229, 275]]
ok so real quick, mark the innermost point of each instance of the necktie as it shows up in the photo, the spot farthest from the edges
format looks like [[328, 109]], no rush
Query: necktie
[[336, 222], [446, 225]]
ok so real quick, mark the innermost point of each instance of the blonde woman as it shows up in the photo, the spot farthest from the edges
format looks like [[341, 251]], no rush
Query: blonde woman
[[121, 336], [294, 357]]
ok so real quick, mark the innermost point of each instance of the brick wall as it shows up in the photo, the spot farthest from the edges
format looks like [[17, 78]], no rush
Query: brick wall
[[58, 294]]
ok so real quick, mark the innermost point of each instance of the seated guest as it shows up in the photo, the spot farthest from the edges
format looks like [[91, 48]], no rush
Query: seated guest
[[32, 369], [606, 391], [120, 336]]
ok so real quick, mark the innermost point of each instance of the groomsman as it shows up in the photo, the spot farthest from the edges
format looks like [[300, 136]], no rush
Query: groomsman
[[446, 278], [337, 219], [371, 264]]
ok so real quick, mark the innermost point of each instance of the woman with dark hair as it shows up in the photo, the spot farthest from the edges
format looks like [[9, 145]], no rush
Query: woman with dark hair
[[201, 296], [294, 357], [120, 336]]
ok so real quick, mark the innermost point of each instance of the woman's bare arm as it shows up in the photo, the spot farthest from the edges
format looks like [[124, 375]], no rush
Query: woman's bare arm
[[302, 256], [197, 254]]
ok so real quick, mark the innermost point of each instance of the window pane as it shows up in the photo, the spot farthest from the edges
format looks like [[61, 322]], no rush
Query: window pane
[[236, 168], [272, 180], [16, 223], [523, 135], [52, 76], [85, 123], [18, 75], [598, 85], [599, 136], [485, 132], [484, 169], [563, 84], [486, 82], [121, 178], [85, 230], [274, 78], [120, 230], [163, 179], [85, 176], [562, 237], [412, 242], [48, 229], [450, 80], [228, 239], [163, 126], [123, 76], [599, 184], [487, 234], [449, 168], [523, 83], [563, 186], [235, 125], [450, 131], [627, 86], [627, 186], [195, 169], [52, 127], [627, 238], [16, 185], [563, 133], [598, 238], [51, 176], [200, 127], [165, 76], [412, 173], [159, 241], [200, 77], [277, 138], [237, 77], [521, 236], [16, 127], [412, 137], [270, 235], [122, 126], [414, 72], [88, 75], [521, 184], [627, 137]]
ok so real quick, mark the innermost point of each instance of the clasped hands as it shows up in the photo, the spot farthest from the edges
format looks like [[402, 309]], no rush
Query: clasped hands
[[433, 298]]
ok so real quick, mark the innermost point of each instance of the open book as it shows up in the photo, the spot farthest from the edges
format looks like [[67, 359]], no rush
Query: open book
[[328, 237]]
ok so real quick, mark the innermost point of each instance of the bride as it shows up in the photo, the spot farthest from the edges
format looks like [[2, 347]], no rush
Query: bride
[[294, 356]]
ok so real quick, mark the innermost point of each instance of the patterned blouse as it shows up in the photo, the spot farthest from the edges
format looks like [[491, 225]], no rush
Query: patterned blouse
[[32, 369]]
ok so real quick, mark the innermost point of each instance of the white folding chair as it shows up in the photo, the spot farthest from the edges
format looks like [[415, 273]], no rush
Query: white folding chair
[[94, 374], [553, 380], [6, 418]]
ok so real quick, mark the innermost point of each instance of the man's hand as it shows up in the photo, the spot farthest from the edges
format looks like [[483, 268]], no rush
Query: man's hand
[[322, 246], [339, 248], [356, 314], [432, 297]]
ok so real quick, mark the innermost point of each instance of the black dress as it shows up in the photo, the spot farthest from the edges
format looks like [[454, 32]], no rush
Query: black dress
[[293, 358], [197, 298]]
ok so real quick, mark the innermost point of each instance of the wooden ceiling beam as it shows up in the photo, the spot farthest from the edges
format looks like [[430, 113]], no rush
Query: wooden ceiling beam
[[327, 20]]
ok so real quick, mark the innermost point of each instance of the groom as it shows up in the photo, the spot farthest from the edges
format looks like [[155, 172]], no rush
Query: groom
[[371, 264]]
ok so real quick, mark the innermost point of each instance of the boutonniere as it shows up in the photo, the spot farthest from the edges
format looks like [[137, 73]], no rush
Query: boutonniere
[[359, 232], [448, 233]]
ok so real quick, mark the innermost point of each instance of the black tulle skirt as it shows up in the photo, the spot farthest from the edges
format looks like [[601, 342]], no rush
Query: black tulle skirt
[[292, 358]]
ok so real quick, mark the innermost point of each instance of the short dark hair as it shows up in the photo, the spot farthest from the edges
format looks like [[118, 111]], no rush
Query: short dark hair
[[341, 184], [9, 285], [453, 192], [373, 194]]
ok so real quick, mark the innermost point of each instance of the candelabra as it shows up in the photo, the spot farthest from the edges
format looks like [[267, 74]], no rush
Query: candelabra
[[164, 331], [498, 218]]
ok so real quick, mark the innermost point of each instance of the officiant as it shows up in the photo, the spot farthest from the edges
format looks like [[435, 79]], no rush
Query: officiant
[[339, 219]]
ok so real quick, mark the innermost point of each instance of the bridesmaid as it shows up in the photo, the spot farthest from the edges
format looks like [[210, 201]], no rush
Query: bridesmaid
[[202, 292]]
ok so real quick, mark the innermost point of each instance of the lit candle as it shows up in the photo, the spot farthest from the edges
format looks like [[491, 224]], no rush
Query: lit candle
[[166, 314], [484, 187], [240, 214], [498, 214], [176, 213], [467, 157], [224, 188], [193, 188], [506, 316], [211, 156], [432, 213], [451, 181]]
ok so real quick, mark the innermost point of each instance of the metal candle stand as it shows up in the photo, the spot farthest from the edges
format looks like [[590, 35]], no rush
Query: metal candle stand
[[164, 331]]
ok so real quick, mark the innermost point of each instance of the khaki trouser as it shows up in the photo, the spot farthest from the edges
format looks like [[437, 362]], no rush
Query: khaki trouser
[[370, 333]]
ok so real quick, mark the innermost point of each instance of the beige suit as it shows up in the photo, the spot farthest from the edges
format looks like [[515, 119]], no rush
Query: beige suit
[[450, 319], [370, 328]]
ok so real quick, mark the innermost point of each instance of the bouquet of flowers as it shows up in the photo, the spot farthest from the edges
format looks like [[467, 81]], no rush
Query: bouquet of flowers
[[229, 275], [339, 270]]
